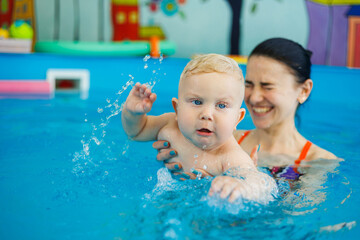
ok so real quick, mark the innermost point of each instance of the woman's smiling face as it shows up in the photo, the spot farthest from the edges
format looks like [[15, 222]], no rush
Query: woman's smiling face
[[271, 92]]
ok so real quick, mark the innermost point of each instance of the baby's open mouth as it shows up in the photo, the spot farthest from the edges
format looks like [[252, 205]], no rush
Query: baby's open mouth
[[204, 131]]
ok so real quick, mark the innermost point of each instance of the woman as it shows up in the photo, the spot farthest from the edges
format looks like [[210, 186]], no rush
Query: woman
[[277, 82]]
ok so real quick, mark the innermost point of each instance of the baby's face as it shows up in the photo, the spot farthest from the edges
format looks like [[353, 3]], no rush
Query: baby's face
[[208, 108]]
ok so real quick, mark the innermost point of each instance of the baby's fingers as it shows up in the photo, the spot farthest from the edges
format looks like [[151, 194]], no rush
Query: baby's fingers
[[148, 102], [216, 186], [144, 90], [227, 189], [235, 194]]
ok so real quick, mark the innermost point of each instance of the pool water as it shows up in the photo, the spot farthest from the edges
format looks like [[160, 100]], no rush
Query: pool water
[[69, 172]]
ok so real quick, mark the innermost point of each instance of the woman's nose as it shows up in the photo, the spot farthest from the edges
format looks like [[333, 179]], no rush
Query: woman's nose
[[256, 96]]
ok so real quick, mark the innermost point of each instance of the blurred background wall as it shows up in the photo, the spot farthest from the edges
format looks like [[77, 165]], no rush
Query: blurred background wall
[[329, 28], [198, 27]]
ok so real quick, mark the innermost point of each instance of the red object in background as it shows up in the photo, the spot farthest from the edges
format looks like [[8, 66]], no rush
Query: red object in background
[[65, 84], [125, 20], [181, 2], [6, 14], [153, 7]]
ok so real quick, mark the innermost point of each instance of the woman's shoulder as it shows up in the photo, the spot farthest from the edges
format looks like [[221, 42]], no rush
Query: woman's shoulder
[[317, 152]]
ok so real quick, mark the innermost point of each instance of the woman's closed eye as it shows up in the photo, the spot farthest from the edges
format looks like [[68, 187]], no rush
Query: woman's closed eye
[[267, 86], [248, 84]]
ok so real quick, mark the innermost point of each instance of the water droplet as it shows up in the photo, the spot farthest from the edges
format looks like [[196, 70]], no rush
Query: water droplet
[[147, 57], [96, 140]]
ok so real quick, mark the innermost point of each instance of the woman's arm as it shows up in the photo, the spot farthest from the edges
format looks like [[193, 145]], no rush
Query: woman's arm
[[166, 153]]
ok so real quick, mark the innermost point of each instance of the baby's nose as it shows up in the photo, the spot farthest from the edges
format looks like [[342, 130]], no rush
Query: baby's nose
[[207, 114]]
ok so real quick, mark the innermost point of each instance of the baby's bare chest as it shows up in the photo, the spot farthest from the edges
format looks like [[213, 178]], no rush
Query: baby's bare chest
[[189, 155]]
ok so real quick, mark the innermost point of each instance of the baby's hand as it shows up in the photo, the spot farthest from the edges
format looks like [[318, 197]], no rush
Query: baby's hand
[[227, 187], [140, 99]]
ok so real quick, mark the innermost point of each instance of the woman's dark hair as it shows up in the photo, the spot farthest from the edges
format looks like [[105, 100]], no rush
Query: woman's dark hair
[[288, 52]]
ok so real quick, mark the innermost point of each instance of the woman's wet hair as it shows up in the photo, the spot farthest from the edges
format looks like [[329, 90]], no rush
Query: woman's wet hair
[[288, 52]]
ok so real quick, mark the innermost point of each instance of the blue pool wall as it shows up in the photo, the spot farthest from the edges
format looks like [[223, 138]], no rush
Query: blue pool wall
[[338, 85]]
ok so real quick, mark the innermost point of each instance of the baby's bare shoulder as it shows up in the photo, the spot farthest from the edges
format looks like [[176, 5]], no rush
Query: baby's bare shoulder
[[237, 157], [171, 127]]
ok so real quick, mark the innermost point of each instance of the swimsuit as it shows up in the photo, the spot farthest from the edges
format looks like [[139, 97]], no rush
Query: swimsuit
[[289, 172]]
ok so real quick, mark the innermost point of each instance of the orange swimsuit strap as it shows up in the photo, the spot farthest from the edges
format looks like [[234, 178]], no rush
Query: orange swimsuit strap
[[303, 152], [243, 136]]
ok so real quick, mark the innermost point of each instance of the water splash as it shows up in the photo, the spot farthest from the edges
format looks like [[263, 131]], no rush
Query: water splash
[[95, 148]]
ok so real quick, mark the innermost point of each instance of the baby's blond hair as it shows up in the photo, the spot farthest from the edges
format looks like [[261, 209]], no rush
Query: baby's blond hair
[[212, 62]]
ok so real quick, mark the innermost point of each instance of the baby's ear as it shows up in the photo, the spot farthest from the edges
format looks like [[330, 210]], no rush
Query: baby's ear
[[175, 104]]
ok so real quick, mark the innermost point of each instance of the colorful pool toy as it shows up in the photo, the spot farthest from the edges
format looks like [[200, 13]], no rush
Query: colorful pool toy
[[124, 48]]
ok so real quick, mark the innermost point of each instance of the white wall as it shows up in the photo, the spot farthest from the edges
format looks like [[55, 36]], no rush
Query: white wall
[[206, 27], [274, 18]]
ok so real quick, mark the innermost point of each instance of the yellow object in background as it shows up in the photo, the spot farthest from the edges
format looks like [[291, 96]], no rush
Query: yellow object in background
[[337, 2], [239, 59], [4, 34], [22, 30]]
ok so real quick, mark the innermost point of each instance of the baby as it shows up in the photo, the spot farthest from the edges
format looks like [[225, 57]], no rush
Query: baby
[[207, 111]]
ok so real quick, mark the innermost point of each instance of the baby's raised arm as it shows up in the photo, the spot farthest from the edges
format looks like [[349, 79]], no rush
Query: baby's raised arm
[[136, 123]]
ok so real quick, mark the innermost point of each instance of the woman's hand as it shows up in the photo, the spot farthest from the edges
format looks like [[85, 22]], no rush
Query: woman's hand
[[254, 154], [165, 154]]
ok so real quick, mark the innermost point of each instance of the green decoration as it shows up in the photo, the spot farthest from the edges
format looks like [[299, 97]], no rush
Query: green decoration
[[4, 6]]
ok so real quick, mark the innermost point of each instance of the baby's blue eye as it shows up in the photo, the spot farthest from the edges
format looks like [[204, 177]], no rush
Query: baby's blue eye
[[221, 105], [196, 102]]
